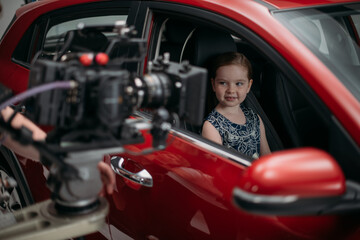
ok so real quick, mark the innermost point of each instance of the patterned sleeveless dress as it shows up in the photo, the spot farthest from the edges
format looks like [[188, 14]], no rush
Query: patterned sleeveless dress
[[243, 138]]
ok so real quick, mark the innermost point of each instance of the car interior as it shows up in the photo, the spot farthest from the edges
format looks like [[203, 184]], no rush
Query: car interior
[[289, 119]]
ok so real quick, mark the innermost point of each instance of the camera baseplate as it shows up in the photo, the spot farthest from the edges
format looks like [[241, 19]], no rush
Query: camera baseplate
[[42, 221]]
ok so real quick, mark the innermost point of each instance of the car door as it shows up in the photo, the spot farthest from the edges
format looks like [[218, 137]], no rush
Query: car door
[[190, 196], [193, 179]]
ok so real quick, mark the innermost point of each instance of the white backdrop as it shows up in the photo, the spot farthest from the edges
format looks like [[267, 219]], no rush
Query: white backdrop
[[8, 10]]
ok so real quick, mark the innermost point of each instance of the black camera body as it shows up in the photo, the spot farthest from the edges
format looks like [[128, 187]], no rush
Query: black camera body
[[99, 97], [108, 95]]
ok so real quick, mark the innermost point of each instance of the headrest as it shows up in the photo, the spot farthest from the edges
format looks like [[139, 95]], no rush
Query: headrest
[[206, 43]]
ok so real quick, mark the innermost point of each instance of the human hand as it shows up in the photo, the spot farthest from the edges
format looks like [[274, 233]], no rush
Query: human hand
[[21, 121], [17, 122], [107, 177]]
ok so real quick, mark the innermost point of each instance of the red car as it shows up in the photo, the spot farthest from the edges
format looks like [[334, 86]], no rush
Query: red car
[[306, 61]]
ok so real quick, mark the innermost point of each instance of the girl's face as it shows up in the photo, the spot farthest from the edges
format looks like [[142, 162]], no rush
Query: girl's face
[[231, 85]]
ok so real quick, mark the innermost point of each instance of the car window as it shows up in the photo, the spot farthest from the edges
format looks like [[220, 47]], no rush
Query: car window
[[46, 34], [61, 28], [54, 39], [55, 36], [183, 40], [329, 34]]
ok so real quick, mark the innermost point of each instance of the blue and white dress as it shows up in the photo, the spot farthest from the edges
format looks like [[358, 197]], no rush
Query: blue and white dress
[[243, 138]]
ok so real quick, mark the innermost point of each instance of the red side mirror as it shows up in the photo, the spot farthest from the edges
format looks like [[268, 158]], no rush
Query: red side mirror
[[304, 172], [296, 182]]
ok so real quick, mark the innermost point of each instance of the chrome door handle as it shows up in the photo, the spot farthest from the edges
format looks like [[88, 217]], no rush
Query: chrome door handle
[[143, 177]]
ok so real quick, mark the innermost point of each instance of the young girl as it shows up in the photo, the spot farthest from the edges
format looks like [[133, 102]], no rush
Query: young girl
[[230, 123]]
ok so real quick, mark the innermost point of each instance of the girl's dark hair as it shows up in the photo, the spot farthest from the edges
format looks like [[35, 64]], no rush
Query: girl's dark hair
[[229, 58]]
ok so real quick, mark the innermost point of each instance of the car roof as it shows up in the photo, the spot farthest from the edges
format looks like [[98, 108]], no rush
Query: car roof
[[289, 4], [271, 4], [54, 4]]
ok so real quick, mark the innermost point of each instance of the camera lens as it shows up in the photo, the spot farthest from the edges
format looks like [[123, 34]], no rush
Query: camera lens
[[153, 90]]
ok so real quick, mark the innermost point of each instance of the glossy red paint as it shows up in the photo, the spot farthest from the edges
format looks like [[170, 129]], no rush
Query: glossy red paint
[[178, 180], [48, 5], [289, 172], [36, 175], [199, 182]]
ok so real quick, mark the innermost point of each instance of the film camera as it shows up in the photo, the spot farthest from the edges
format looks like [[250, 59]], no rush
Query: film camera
[[89, 97]]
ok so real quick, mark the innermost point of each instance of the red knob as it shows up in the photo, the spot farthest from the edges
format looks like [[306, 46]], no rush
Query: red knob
[[86, 59], [102, 58]]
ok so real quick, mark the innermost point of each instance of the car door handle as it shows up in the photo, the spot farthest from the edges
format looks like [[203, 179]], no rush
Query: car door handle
[[142, 177]]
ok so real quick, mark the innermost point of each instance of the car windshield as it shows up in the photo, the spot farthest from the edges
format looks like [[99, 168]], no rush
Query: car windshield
[[332, 34]]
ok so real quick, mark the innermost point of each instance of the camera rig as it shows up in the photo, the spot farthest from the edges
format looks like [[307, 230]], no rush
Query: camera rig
[[89, 98]]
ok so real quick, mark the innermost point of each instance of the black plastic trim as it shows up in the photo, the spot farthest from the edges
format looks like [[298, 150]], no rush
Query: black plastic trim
[[348, 203], [319, 6]]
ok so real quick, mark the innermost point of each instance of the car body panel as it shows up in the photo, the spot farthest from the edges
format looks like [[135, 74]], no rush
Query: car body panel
[[192, 196], [201, 184], [189, 181]]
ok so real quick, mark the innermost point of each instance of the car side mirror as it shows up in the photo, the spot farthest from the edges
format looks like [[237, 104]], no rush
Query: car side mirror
[[296, 182]]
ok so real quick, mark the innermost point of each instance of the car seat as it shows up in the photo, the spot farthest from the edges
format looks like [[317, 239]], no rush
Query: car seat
[[291, 113], [257, 63], [204, 44]]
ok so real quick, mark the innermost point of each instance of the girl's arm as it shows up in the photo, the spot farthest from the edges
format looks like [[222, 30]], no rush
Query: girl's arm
[[210, 132], [264, 146]]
